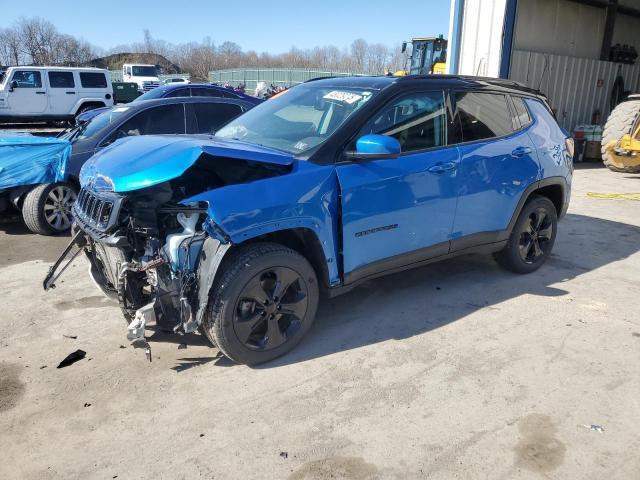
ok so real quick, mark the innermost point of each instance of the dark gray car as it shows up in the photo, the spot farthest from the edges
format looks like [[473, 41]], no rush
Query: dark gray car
[[46, 208]]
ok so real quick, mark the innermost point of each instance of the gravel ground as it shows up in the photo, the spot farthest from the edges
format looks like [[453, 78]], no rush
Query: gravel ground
[[455, 370]]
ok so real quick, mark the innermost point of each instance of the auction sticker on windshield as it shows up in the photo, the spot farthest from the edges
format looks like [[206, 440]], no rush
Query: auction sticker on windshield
[[346, 97]]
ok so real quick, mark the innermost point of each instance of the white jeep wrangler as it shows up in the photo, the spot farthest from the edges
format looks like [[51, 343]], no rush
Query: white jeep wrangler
[[30, 94]]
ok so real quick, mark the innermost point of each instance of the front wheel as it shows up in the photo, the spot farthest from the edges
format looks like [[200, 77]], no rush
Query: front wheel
[[47, 208], [532, 237], [262, 304]]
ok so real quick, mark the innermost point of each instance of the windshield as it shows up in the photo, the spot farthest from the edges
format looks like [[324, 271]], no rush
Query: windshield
[[94, 125], [140, 71], [299, 120], [157, 92]]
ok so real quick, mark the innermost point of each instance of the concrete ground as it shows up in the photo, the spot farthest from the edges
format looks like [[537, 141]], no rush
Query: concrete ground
[[456, 370]]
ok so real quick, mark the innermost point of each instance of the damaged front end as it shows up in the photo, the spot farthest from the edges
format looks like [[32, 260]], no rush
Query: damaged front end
[[149, 246]]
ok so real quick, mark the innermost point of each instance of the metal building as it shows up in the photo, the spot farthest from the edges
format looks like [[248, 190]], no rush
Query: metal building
[[566, 48]]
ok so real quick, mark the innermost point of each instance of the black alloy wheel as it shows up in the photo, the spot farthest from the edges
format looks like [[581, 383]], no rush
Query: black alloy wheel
[[271, 308], [536, 237], [532, 237]]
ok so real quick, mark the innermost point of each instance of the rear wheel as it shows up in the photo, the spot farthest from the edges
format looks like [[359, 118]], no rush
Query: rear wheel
[[263, 303], [47, 208], [622, 120], [532, 238]]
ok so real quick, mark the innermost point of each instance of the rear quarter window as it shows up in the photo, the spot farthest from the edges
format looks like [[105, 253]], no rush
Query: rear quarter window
[[93, 80], [61, 80], [522, 112], [483, 115]]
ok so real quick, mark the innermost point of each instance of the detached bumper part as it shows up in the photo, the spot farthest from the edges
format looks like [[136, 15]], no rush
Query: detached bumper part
[[136, 328]]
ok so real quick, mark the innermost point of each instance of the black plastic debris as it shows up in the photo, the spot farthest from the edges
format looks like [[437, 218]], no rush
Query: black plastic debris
[[87, 405], [284, 455], [72, 358], [122, 346], [201, 435], [43, 366], [182, 346], [72, 337]]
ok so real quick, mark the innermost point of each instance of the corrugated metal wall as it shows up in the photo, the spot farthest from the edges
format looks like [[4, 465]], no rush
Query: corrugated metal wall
[[480, 37], [572, 84], [283, 77]]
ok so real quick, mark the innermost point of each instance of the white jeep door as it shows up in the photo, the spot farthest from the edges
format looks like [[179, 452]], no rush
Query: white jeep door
[[63, 92], [29, 95]]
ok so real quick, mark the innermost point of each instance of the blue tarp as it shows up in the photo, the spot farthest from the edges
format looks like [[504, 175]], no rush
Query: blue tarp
[[28, 160]]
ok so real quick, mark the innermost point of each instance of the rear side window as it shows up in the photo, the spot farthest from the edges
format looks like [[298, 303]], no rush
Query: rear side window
[[61, 80], [211, 116], [205, 92], [178, 92], [522, 113], [93, 80], [483, 115], [416, 120]]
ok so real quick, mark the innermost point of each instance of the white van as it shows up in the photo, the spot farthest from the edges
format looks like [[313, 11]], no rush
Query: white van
[[146, 76], [52, 93]]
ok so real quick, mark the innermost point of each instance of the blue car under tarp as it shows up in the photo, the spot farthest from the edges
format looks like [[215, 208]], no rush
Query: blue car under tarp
[[29, 160]]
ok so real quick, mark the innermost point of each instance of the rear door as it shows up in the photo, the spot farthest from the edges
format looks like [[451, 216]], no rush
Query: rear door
[[30, 95], [400, 211], [62, 91], [498, 162]]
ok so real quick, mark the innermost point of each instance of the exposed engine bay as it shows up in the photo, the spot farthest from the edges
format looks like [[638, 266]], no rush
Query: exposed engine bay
[[152, 249]]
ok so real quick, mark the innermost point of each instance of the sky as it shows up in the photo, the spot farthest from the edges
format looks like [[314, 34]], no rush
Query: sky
[[271, 26]]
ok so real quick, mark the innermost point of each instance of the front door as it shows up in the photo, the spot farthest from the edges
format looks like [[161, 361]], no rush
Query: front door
[[399, 211], [29, 97]]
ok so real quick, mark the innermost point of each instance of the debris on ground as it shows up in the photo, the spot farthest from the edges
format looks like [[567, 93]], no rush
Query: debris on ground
[[87, 405], [72, 358], [284, 454], [122, 346], [595, 428], [182, 346], [43, 366], [201, 435], [72, 337]]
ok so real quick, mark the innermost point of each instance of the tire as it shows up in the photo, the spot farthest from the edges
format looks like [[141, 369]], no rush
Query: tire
[[527, 248], [262, 304], [620, 122], [46, 209]]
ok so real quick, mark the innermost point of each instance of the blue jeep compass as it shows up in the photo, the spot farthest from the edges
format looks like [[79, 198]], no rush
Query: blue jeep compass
[[334, 182]]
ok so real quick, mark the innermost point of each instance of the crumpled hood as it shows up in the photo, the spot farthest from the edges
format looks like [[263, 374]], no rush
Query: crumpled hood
[[133, 163]]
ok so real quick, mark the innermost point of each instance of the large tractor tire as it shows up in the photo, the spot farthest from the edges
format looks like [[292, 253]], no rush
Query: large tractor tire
[[619, 123]]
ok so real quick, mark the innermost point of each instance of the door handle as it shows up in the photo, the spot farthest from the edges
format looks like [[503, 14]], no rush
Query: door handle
[[70, 93], [442, 167], [521, 152], [40, 93]]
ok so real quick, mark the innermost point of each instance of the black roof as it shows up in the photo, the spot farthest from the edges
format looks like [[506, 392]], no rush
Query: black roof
[[460, 81]]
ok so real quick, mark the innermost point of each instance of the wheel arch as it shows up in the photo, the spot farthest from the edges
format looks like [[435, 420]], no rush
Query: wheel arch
[[85, 102], [553, 188]]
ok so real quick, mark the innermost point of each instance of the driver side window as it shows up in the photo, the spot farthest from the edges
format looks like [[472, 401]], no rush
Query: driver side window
[[416, 120]]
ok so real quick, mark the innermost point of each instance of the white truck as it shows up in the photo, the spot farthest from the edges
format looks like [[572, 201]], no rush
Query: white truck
[[30, 94], [146, 76]]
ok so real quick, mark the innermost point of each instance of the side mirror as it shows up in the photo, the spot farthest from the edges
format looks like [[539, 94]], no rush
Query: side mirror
[[404, 47], [13, 85], [374, 147]]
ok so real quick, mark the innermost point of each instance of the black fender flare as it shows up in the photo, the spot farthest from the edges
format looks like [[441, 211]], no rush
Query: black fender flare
[[210, 257], [545, 182]]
